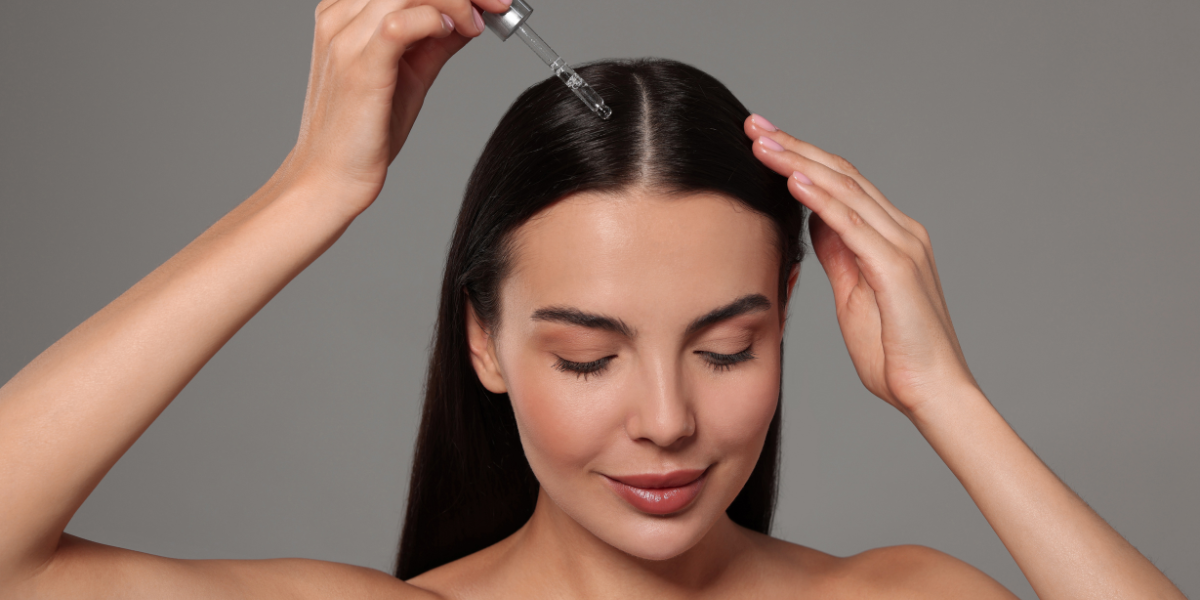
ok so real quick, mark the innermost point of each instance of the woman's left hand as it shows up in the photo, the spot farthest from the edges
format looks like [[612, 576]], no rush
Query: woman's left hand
[[897, 328], [880, 264]]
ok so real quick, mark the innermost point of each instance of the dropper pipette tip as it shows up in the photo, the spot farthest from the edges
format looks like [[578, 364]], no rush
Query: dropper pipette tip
[[513, 21]]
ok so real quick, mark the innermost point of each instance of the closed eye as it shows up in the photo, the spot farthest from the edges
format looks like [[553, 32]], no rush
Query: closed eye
[[724, 362], [718, 362], [593, 367]]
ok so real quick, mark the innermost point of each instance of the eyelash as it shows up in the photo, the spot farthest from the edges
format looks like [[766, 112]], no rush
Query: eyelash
[[717, 362]]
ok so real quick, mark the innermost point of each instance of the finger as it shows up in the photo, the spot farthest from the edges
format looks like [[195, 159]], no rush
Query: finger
[[857, 304], [881, 272], [757, 126], [468, 19], [324, 5], [494, 6], [844, 187], [334, 15], [836, 259], [367, 22], [361, 16], [879, 258], [428, 56], [399, 30]]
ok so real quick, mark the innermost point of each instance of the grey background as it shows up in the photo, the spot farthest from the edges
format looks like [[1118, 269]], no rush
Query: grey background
[[1049, 148]]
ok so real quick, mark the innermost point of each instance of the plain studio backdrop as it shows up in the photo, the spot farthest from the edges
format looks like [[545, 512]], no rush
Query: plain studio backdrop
[[1049, 148]]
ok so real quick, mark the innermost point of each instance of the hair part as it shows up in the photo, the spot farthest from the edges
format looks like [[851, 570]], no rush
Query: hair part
[[674, 129]]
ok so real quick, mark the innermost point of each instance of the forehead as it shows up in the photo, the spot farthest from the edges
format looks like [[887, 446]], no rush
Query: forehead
[[646, 256]]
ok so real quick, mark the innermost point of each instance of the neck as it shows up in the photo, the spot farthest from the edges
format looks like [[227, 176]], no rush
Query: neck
[[567, 560]]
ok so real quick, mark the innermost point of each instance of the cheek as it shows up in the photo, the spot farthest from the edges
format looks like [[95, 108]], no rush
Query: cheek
[[736, 410], [562, 423]]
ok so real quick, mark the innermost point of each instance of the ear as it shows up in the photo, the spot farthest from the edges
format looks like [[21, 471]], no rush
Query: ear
[[483, 353], [791, 286]]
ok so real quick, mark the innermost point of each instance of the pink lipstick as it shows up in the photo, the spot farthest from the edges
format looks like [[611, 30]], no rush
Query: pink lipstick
[[659, 494]]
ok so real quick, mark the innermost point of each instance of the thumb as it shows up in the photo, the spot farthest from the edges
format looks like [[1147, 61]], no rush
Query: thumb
[[835, 257]]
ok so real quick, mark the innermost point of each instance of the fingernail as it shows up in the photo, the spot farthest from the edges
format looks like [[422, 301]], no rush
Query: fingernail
[[802, 178], [447, 23], [506, 2], [769, 143], [762, 122], [478, 18]]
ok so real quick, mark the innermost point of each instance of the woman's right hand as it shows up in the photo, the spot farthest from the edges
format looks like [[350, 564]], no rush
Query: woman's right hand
[[372, 63], [69, 415]]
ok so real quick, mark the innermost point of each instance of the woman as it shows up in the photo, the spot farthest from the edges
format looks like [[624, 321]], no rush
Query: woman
[[629, 306]]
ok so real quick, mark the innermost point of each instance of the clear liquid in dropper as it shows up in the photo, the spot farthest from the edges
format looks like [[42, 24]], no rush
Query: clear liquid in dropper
[[559, 67], [582, 89]]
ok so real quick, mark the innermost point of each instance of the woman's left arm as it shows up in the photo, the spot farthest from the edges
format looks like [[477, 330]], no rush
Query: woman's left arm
[[894, 319]]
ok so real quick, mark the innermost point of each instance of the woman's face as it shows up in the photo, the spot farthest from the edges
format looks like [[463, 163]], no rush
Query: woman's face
[[639, 345]]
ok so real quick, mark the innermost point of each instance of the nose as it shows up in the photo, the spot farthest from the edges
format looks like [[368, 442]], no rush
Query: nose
[[662, 411]]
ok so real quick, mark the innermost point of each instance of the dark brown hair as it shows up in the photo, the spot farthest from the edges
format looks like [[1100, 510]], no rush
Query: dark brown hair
[[673, 128]]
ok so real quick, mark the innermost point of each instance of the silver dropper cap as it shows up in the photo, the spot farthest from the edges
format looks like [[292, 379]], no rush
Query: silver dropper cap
[[504, 25], [513, 21]]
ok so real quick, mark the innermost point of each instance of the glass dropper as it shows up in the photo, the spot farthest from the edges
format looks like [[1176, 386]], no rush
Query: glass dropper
[[513, 21]]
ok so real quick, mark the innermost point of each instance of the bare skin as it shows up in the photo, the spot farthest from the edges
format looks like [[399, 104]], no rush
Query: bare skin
[[731, 562], [69, 415], [655, 406]]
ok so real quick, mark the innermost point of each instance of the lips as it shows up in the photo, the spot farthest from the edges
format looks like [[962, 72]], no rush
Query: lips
[[659, 494]]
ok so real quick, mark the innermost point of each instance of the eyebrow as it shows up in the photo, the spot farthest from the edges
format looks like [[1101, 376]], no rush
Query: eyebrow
[[570, 315]]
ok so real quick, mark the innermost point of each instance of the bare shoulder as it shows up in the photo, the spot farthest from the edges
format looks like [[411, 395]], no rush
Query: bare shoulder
[[88, 569], [889, 572], [788, 570], [793, 560], [480, 574], [921, 572]]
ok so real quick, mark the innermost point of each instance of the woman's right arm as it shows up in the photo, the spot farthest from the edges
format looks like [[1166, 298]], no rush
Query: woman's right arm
[[69, 415]]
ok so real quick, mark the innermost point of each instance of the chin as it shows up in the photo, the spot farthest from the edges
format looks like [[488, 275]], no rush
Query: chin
[[651, 537], [660, 547], [654, 537]]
